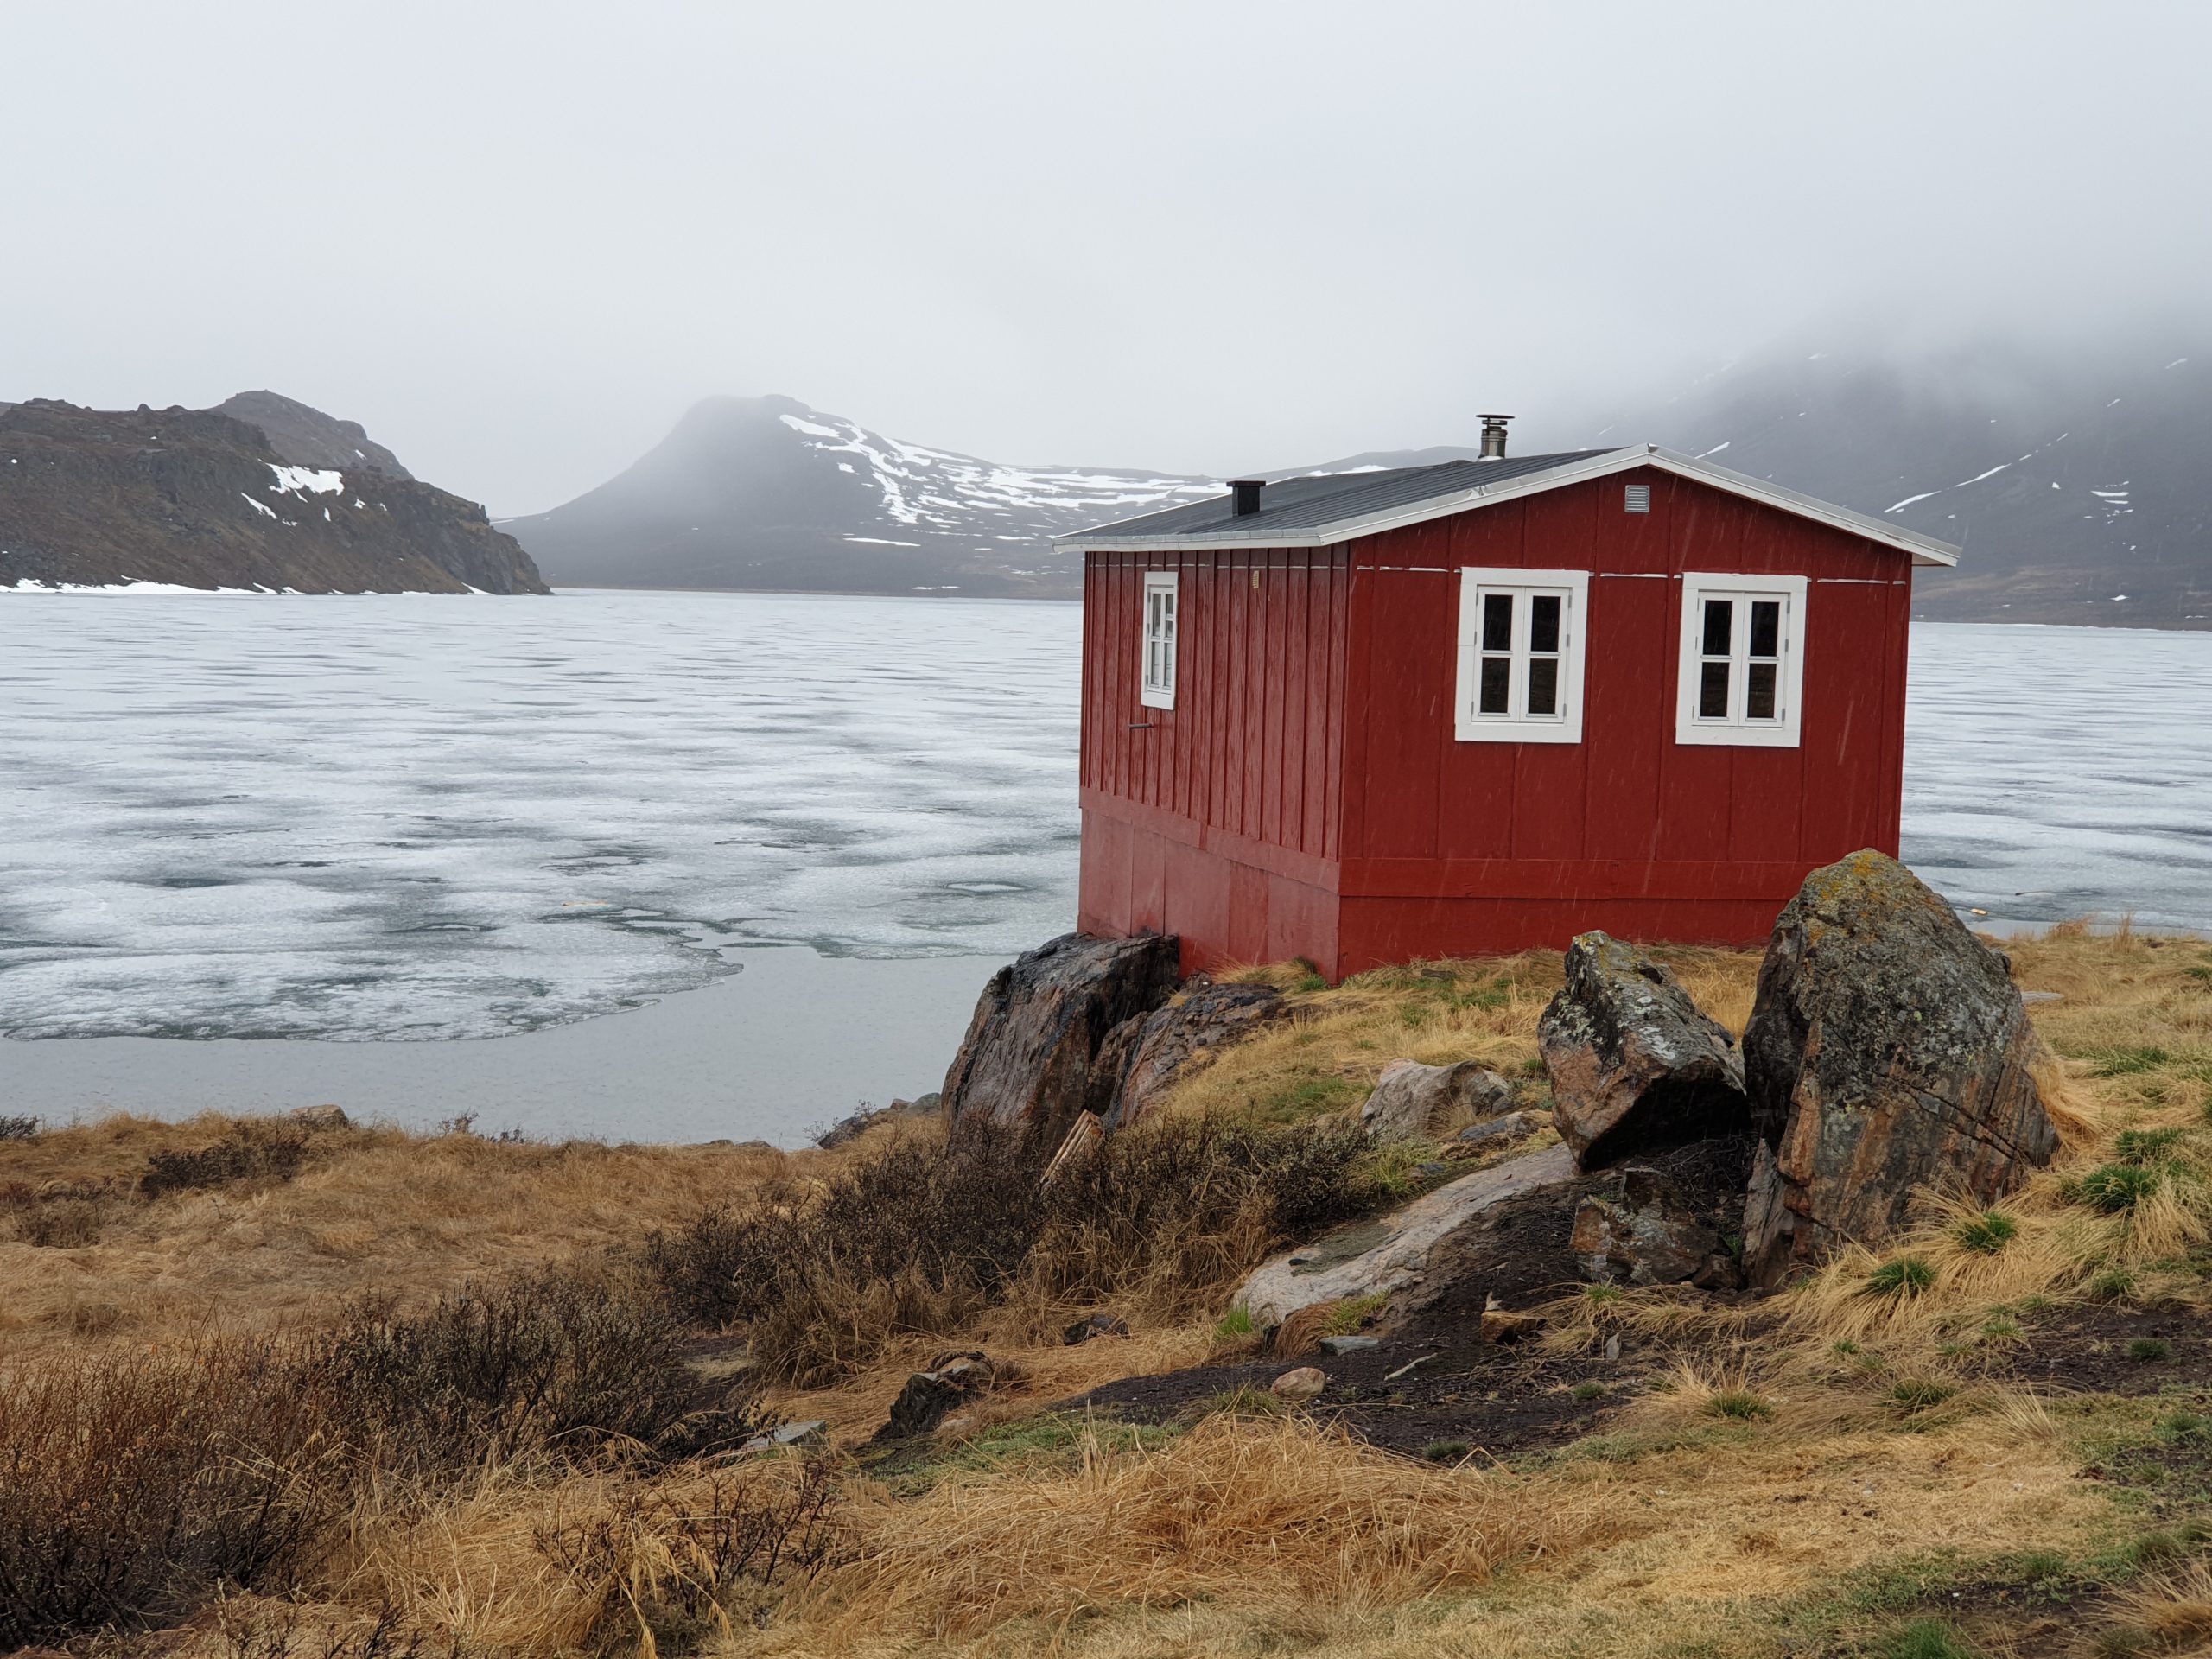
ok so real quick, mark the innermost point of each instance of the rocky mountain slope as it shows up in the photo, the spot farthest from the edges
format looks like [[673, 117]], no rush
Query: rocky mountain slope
[[204, 498], [305, 436], [765, 492]]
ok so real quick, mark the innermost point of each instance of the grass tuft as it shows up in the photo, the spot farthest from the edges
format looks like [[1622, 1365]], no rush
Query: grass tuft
[[1906, 1276], [1987, 1233]]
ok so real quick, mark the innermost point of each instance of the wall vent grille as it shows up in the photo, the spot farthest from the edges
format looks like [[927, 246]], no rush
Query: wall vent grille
[[1638, 499]]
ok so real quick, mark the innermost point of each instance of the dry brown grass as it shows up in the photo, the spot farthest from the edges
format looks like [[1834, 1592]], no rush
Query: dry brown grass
[[373, 1209], [1756, 1480], [1271, 1510]]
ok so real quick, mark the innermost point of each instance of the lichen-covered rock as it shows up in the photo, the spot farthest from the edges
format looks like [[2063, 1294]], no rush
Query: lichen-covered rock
[[1633, 1062], [1412, 1101], [1037, 1027], [1888, 1051], [1142, 1056]]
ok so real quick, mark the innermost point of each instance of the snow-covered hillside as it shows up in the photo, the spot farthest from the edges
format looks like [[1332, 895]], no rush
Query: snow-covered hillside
[[767, 492]]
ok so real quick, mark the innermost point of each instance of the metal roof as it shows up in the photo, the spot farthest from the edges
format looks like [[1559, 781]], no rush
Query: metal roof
[[1316, 512]]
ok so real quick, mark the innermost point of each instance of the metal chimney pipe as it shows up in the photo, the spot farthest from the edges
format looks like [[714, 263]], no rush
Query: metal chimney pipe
[[1493, 435], [1245, 492]]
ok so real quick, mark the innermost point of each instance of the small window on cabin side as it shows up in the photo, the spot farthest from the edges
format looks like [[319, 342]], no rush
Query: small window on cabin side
[[1743, 656], [1520, 679], [1637, 498], [1157, 687]]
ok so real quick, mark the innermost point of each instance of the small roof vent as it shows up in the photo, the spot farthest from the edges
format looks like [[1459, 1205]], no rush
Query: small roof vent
[[1493, 435], [1245, 492]]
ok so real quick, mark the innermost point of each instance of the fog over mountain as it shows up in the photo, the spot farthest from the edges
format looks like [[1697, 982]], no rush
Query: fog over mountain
[[2074, 482]]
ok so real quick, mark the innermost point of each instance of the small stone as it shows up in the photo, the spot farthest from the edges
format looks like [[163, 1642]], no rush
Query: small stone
[[1505, 1129], [1340, 1345], [1429, 1171], [322, 1117], [1094, 1324], [1613, 1346], [1304, 1384], [930, 1397], [813, 1433]]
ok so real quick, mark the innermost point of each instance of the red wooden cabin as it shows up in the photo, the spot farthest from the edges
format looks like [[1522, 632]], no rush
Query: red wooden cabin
[[1472, 707]]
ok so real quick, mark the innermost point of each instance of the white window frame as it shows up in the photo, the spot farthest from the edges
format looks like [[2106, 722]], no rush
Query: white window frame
[[1734, 729], [1517, 726], [1156, 644]]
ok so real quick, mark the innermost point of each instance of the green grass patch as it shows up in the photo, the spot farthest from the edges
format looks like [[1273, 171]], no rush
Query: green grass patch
[[1446, 1450], [1917, 1394], [1236, 1326], [2114, 1189], [1908, 1275], [2146, 1351], [1741, 1404], [2145, 1146], [2127, 1062], [1925, 1638], [1986, 1233], [1298, 1099], [1051, 1442], [1585, 1392], [1354, 1313]]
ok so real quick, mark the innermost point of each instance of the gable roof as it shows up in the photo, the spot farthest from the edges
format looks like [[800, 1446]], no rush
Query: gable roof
[[1318, 511]]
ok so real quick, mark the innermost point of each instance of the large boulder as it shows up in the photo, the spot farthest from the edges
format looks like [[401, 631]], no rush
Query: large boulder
[[1400, 1255], [1641, 1223], [1027, 1057], [1888, 1051], [1142, 1056], [1633, 1062], [1412, 1101]]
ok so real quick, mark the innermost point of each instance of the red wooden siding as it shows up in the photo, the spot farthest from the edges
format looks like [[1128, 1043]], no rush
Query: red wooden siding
[[1219, 819], [1306, 796]]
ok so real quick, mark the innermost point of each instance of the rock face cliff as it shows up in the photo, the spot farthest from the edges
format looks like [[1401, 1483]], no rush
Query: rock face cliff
[[202, 498]]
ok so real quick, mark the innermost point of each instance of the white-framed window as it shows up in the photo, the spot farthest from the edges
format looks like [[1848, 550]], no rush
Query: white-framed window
[[1157, 685], [1521, 639], [1742, 673]]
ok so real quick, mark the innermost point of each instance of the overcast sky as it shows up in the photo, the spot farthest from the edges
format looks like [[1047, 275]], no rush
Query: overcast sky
[[516, 240]]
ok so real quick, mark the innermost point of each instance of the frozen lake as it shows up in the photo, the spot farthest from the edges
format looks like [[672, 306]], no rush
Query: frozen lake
[[431, 841]]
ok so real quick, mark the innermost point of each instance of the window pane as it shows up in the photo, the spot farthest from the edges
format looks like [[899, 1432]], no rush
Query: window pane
[[1497, 677], [1497, 621], [1719, 615], [1543, 622], [1543, 684], [1766, 628], [1712, 692], [1758, 691]]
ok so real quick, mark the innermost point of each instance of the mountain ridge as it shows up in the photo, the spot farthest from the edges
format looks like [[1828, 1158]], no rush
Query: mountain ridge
[[203, 498]]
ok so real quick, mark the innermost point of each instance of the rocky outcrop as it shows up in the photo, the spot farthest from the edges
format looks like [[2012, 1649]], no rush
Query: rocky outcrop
[[1888, 1051], [929, 1396], [1412, 1101], [1400, 1255], [1641, 1225], [1633, 1062], [1142, 1057], [304, 436], [1038, 1027], [197, 499]]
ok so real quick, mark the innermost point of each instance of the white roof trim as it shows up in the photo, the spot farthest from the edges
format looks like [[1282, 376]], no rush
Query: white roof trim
[[1924, 549]]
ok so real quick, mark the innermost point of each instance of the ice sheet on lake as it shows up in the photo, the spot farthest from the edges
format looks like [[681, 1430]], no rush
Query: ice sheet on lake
[[407, 816], [384, 816]]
